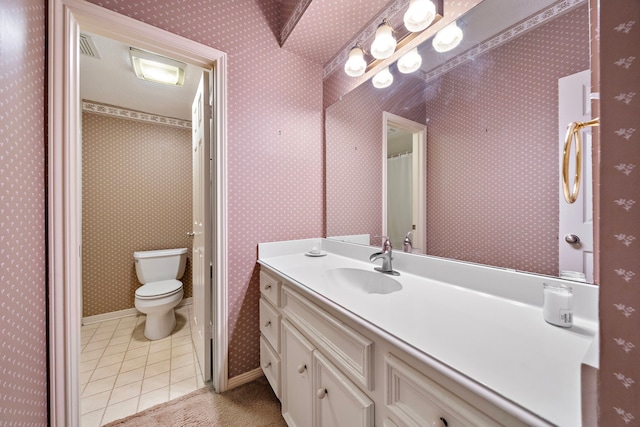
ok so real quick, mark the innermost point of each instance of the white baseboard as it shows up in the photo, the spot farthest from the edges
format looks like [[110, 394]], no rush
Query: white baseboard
[[129, 312], [245, 378]]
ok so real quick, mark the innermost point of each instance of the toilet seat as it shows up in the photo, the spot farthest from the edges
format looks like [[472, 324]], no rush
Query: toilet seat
[[159, 289]]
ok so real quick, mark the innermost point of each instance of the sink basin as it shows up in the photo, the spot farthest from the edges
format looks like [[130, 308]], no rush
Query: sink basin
[[367, 281]]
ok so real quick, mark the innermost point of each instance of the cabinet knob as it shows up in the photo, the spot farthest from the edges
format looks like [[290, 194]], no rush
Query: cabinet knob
[[268, 323], [267, 366], [572, 239], [267, 287], [322, 392], [302, 368], [441, 422]]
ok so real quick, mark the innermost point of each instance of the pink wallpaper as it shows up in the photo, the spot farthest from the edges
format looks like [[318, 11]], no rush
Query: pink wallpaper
[[475, 172], [274, 136], [287, 200], [480, 175], [136, 196], [619, 226], [23, 297], [354, 153]]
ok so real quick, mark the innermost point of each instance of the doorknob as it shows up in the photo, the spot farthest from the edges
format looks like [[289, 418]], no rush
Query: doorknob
[[191, 233], [572, 239]]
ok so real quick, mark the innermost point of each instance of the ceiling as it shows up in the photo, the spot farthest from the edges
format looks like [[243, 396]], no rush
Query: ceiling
[[319, 30], [110, 78]]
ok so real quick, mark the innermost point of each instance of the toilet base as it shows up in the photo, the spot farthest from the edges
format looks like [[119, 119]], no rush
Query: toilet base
[[161, 318], [159, 325]]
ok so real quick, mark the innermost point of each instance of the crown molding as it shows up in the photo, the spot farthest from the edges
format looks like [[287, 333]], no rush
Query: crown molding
[[124, 113]]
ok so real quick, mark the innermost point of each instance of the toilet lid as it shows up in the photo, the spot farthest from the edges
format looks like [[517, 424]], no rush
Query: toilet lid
[[159, 289]]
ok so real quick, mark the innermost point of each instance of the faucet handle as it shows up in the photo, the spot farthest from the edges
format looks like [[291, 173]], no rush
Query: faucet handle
[[386, 243]]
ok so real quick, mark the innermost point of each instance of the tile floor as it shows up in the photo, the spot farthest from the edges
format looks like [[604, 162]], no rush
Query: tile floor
[[122, 372]]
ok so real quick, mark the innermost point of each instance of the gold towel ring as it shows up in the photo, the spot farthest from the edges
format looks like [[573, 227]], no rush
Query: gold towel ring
[[574, 130]]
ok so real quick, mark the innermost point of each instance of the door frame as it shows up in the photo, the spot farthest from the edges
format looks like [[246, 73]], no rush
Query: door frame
[[64, 195], [419, 132]]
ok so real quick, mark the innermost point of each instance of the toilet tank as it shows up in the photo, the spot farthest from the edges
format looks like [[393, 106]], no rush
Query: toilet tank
[[164, 264]]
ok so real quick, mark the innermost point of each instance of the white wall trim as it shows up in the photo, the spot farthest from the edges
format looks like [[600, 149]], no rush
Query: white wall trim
[[419, 132], [128, 312], [245, 378], [64, 186], [126, 113]]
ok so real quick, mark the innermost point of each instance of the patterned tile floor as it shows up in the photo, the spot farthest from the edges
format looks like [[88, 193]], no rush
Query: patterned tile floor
[[122, 372]]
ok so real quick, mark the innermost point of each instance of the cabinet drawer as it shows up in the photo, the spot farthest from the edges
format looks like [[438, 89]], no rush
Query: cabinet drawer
[[339, 402], [349, 350], [270, 364], [417, 400], [270, 324], [270, 288]]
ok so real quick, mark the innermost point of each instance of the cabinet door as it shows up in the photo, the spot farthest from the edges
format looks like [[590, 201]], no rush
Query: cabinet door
[[297, 386], [338, 401]]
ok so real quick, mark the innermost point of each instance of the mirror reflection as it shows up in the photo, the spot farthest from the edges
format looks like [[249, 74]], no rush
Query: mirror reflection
[[491, 111]]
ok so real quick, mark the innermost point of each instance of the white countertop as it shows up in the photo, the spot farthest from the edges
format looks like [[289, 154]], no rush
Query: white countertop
[[502, 344]]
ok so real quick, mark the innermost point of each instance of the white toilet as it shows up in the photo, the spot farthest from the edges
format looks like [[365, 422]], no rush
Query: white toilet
[[160, 292]]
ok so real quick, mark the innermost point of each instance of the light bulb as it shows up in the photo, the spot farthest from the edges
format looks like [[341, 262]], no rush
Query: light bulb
[[420, 15], [355, 65], [384, 44], [447, 38], [383, 79], [410, 61]]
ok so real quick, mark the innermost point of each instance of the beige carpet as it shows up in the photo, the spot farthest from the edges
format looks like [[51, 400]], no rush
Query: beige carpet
[[252, 404]]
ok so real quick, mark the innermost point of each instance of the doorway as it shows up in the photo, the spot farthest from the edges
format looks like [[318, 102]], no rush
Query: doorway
[[404, 181], [66, 18]]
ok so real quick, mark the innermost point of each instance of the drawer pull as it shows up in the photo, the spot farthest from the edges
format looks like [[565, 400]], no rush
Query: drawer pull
[[322, 393], [444, 422], [267, 324], [302, 368], [267, 366]]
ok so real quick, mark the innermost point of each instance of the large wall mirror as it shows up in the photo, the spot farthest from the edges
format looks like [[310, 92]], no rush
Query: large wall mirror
[[491, 109]]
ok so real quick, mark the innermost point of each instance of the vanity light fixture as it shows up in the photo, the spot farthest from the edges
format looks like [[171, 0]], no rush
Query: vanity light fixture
[[410, 61], [355, 65], [384, 43], [155, 68], [420, 15], [383, 79], [447, 38]]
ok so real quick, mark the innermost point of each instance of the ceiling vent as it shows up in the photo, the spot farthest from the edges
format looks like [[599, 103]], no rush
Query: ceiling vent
[[88, 47]]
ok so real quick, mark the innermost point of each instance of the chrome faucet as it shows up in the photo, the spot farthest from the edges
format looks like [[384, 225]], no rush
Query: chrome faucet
[[407, 245], [386, 255]]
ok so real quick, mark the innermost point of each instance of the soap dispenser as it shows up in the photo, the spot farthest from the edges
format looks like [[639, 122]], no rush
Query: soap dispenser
[[407, 246]]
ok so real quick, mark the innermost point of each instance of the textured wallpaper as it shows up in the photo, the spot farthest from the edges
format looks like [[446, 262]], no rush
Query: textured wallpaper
[[136, 196], [492, 152], [353, 133], [620, 213], [274, 127], [23, 297], [480, 169]]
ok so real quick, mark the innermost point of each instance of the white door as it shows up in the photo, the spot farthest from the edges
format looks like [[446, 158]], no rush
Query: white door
[[576, 219], [201, 257]]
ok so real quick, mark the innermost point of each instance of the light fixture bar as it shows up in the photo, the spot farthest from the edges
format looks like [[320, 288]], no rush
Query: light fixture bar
[[155, 68], [406, 40]]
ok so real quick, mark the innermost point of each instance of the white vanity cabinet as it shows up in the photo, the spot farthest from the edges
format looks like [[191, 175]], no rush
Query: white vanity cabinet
[[336, 372], [314, 391], [270, 319]]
